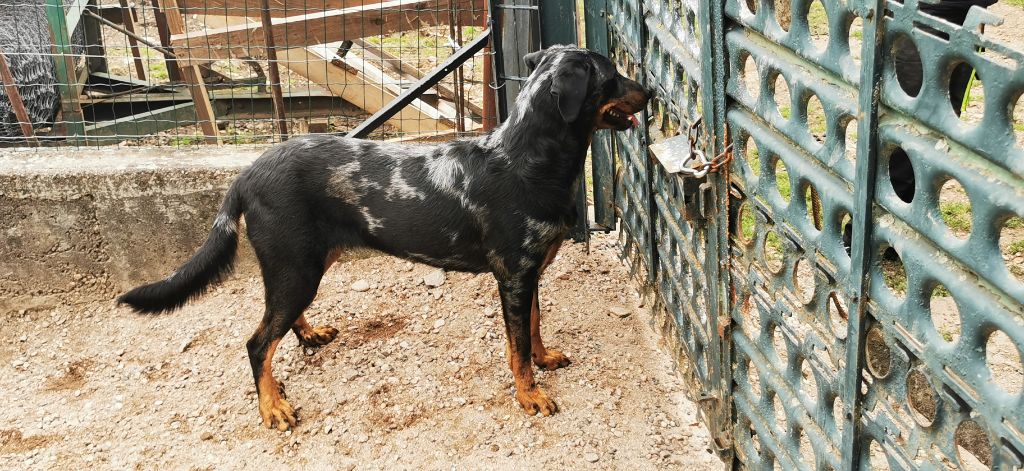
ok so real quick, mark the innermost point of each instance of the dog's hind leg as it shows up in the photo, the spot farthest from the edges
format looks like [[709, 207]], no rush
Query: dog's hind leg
[[516, 302], [544, 358], [308, 335], [290, 287]]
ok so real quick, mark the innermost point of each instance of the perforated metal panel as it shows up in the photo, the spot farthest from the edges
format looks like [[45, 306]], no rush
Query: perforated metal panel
[[859, 304]]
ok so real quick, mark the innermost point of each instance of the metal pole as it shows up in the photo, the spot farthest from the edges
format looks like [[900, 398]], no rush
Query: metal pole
[[863, 199]]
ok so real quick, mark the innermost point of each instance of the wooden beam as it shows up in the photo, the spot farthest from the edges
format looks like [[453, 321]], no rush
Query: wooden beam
[[193, 77], [399, 66], [251, 8], [142, 124], [323, 27], [140, 68], [275, 74], [165, 40], [357, 82], [317, 64]]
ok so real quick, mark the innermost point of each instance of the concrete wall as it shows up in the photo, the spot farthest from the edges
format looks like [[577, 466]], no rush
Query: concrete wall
[[85, 225]]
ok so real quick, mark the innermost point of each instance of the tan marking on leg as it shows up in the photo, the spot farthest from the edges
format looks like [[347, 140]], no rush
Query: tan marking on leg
[[530, 396], [313, 336], [548, 359], [274, 409]]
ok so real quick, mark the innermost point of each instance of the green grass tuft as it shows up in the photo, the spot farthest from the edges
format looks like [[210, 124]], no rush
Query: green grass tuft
[[957, 215], [1016, 247], [747, 223], [895, 276], [782, 180], [817, 19]]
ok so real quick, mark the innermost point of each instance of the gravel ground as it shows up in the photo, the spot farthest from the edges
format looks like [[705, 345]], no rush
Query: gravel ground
[[417, 379]]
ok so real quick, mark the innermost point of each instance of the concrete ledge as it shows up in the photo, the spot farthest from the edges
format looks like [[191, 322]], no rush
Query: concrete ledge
[[84, 225]]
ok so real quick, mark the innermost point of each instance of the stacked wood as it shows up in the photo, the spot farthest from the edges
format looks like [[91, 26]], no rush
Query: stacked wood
[[307, 43]]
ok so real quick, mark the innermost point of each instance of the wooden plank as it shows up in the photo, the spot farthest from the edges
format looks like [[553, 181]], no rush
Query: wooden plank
[[358, 83], [323, 27], [142, 124], [193, 77], [399, 66], [275, 73], [251, 8], [140, 68], [165, 40], [318, 66]]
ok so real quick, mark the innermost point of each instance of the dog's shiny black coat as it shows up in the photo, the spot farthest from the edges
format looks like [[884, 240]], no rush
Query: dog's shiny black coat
[[495, 204]]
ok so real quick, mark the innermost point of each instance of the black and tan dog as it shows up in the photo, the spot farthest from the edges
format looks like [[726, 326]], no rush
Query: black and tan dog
[[500, 203]]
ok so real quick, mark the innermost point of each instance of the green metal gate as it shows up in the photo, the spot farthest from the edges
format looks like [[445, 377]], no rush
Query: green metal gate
[[847, 292]]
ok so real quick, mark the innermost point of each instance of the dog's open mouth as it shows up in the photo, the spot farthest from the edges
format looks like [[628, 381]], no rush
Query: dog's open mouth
[[620, 118]]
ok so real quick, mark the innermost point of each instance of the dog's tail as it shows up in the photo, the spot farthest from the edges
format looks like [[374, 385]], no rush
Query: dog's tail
[[211, 263]]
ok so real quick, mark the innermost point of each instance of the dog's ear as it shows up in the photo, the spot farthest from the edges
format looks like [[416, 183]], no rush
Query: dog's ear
[[569, 86], [533, 59]]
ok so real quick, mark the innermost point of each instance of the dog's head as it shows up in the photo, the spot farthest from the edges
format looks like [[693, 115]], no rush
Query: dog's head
[[585, 87]]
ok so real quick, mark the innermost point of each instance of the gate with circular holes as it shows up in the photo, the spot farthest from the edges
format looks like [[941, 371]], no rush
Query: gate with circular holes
[[847, 292]]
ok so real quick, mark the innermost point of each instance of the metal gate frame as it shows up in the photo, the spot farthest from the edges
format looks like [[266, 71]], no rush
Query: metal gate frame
[[833, 378]]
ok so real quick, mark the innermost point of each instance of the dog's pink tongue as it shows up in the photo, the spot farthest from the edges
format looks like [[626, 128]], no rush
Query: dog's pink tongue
[[633, 120]]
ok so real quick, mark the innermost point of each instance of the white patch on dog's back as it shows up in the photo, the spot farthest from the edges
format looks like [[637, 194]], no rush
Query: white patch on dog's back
[[445, 171], [342, 184], [402, 189]]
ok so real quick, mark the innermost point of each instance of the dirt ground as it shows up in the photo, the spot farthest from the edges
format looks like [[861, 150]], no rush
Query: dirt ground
[[417, 379]]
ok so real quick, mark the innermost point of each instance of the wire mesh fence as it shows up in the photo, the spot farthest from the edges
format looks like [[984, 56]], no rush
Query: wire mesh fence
[[184, 72]]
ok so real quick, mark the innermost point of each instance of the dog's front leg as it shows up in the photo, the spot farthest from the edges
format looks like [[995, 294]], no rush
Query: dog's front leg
[[517, 295], [545, 358]]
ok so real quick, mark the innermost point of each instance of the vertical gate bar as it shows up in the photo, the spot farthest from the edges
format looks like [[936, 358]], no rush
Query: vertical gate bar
[[650, 245], [64, 65], [558, 26], [601, 158], [866, 170], [498, 61], [713, 95], [557, 22]]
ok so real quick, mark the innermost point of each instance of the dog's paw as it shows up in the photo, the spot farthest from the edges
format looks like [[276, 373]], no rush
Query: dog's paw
[[534, 400], [277, 413], [318, 336], [551, 360]]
